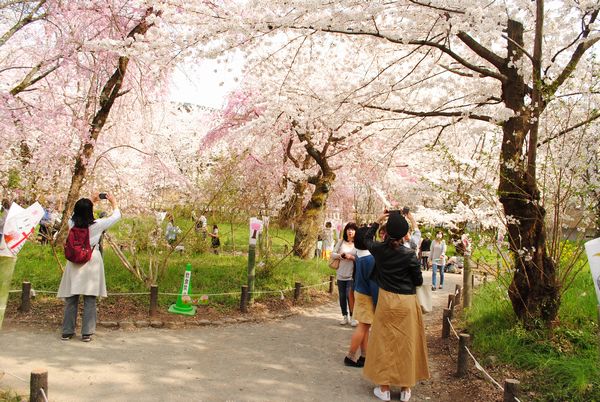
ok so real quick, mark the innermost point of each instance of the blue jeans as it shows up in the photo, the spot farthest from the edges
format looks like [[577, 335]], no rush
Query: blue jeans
[[344, 289], [434, 268]]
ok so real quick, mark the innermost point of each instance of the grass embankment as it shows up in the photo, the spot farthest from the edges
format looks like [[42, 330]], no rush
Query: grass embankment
[[211, 274], [561, 366]]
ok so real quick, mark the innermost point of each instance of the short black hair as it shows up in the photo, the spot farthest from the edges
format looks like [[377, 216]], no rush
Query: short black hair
[[359, 238]]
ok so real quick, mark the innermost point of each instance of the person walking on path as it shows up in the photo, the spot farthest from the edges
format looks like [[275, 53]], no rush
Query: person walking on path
[[86, 279], [424, 248], [397, 344], [346, 253], [438, 259], [365, 299]]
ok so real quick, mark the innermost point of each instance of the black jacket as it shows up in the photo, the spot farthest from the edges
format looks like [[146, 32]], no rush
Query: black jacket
[[396, 270]]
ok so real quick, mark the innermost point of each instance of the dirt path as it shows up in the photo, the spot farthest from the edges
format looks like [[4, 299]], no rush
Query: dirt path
[[297, 359]]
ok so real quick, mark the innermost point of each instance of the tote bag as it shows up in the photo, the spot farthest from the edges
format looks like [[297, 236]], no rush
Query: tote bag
[[424, 297]]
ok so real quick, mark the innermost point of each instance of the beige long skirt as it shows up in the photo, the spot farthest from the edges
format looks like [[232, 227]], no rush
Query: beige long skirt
[[397, 344]]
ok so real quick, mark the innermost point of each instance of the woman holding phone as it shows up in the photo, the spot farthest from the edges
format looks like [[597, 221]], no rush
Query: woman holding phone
[[86, 279]]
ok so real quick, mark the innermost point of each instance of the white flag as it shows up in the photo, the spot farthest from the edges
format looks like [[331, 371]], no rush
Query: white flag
[[592, 249]]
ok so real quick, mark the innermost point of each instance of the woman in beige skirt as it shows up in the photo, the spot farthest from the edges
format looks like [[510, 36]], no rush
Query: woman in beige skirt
[[397, 344]]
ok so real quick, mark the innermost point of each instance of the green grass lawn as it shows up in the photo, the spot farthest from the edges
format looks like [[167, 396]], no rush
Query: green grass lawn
[[563, 366], [211, 274]]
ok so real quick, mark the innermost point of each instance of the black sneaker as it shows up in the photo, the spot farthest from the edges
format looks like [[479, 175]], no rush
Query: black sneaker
[[66, 337], [361, 361], [349, 362], [86, 338]]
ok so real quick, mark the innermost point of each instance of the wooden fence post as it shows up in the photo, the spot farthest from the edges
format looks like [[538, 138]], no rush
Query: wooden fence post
[[467, 288], [25, 297], [511, 390], [251, 272], [297, 290], [446, 323], [463, 356], [37, 383], [451, 305], [331, 284], [457, 293], [153, 300], [244, 299]]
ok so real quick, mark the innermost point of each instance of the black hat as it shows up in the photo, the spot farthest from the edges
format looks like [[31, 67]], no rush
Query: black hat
[[397, 226]]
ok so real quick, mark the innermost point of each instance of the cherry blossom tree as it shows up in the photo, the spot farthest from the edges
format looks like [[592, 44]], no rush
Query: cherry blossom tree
[[443, 63]]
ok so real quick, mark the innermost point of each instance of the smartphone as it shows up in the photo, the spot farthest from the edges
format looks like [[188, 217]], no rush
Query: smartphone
[[102, 196]]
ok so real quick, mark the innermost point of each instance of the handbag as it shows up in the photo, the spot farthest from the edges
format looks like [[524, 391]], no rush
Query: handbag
[[334, 263], [424, 298]]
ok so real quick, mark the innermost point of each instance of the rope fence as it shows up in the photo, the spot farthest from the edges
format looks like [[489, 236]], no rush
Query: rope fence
[[27, 292], [510, 388]]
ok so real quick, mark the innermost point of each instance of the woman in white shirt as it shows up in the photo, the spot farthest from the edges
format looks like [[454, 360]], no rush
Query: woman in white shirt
[[86, 279], [345, 252], [437, 256]]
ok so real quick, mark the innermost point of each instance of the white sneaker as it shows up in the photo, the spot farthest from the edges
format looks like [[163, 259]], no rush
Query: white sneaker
[[353, 322], [344, 320], [405, 395], [384, 396]]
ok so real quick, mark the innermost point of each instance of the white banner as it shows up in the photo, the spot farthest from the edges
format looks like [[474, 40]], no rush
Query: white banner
[[19, 225], [592, 249]]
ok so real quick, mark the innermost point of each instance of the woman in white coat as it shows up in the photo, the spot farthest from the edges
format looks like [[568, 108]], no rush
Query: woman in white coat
[[86, 279]]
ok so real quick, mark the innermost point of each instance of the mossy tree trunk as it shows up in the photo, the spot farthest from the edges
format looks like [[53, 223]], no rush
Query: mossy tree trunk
[[534, 290]]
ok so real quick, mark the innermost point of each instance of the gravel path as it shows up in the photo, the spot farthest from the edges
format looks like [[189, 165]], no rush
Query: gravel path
[[296, 359]]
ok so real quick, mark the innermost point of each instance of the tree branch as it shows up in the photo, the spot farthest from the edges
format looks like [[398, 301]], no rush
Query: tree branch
[[567, 130], [575, 57], [31, 17], [432, 114], [480, 70], [480, 50]]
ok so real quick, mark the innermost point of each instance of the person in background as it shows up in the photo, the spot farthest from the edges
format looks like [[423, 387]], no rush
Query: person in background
[[215, 241], [86, 279], [46, 229], [438, 259], [172, 231], [319, 249], [365, 299], [346, 253], [328, 241], [413, 238], [424, 252], [397, 348], [200, 224]]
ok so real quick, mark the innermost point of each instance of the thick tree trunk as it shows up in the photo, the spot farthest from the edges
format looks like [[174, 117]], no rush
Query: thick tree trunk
[[534, 291], [292, 210], [309, 223]]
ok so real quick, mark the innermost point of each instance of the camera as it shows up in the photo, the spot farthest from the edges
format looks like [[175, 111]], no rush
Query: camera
[[405, 210], [102, 196]]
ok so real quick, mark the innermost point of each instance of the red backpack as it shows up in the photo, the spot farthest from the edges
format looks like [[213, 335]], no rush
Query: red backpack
[[77, 246]]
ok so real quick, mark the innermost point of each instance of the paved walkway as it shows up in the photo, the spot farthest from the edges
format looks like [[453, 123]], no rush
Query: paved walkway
[[296, 359]]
